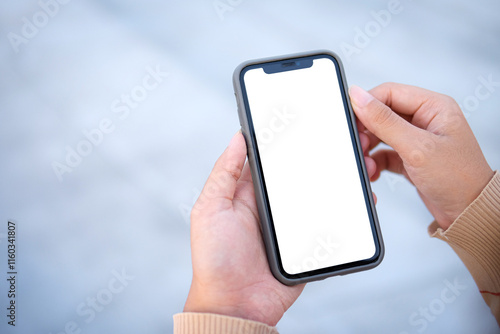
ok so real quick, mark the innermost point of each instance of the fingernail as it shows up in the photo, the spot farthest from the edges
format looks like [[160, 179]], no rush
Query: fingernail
[[234, 137], [359, 96]]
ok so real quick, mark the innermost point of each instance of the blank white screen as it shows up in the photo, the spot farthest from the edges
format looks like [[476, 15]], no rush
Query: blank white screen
[[309, 167]]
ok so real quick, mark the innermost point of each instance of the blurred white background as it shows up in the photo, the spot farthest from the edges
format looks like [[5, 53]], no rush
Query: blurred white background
[[122, 210]]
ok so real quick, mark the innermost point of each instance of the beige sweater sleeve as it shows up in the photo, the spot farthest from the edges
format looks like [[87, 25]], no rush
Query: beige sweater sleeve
[[207, 323], [475, 237]]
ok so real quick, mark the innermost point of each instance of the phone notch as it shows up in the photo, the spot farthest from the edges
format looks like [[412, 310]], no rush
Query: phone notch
[[287, 65]]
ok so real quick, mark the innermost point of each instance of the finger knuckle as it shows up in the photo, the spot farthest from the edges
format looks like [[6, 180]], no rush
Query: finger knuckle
[[384, 117]]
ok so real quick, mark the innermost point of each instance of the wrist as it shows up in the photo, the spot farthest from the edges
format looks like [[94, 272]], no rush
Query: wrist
[[245, 304], [470, 194], [207, 300]]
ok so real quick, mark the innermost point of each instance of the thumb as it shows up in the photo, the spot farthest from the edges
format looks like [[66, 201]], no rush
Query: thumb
[[218, 192], [382, 121]]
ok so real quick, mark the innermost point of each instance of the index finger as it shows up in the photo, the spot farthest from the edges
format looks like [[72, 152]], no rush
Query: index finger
[[415, 104]]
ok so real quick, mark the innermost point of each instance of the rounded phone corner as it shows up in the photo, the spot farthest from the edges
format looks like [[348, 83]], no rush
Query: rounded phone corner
[[381, 254], [280, 276]]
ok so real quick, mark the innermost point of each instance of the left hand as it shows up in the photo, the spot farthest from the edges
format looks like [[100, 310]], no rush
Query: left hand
[[231, 275]]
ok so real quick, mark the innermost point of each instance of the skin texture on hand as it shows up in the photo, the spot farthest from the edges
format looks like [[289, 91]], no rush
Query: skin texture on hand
[[433, 145], [231, 275]]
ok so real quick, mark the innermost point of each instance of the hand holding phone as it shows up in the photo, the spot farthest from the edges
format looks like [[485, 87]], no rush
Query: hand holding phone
[[231, 273]]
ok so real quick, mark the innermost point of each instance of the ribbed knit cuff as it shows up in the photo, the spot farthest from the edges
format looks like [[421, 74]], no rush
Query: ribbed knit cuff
[[207, 323], [475, 236]]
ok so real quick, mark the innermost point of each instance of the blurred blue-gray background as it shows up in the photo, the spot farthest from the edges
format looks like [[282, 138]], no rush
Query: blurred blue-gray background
[[103, 233]]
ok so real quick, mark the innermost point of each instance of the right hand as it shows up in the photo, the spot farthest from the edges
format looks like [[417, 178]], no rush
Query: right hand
[[433, 144]]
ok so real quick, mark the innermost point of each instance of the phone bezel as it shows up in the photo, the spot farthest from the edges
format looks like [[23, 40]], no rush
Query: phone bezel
[[265, 212]]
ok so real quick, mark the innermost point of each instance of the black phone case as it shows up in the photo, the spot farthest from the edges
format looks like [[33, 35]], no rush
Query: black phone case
[[261, 198]]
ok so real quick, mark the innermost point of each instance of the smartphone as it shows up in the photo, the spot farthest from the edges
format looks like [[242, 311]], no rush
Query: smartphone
[[313, 194]]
